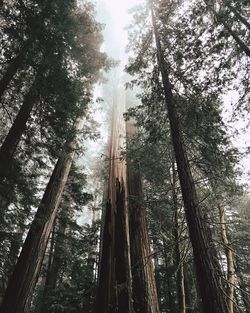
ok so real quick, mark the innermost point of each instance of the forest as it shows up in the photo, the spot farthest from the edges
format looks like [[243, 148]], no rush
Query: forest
[[154, 217]]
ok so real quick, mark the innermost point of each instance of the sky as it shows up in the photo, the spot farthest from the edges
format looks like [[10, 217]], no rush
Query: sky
[[115, 16], [114, 13]]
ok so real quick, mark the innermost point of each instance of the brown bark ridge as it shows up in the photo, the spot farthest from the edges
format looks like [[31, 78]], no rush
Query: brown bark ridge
[[15, 64], [26, 272], [11, 141], [206, 263], [114, 283], [144, 287]]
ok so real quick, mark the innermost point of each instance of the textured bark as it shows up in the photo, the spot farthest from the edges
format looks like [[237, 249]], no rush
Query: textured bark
[[104, 298], [206, 262], [144, 287], [29, 263], [15, 64], [230, 261], [114, 288], [11, 141]]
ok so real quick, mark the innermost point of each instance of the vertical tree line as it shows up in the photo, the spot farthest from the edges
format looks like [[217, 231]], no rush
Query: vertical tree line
[[173, 235]]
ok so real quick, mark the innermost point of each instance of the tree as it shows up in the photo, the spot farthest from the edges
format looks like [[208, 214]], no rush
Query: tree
[[208, 271], [29, 263]]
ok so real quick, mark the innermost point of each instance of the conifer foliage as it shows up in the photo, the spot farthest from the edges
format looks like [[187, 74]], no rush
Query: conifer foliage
[[173, 233]]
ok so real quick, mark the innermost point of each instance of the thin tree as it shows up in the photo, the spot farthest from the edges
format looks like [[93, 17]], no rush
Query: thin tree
[[231, 275]]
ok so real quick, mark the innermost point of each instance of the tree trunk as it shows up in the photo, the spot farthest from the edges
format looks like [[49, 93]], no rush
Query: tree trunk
[[230, 261], [206, 263], [53, 267], [188, 294], [169, 296], [13, 67], [180, 271], [144, 286], [114, 287], [179, 262], [28, 266], [11, 141]]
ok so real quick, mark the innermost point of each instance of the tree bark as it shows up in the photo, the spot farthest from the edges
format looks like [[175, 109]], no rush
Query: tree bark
[[114, 287], [206, 263], [11, 141], [230, 261], [144, 287], [28, 266], [180, 271]]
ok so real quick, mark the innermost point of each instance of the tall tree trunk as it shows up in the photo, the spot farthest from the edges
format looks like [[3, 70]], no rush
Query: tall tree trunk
[[106, 270], [15, 64], [180, 271], [144, 286], [28, 266], [114, 287], [206, 264], [11, 141], [230, 261]]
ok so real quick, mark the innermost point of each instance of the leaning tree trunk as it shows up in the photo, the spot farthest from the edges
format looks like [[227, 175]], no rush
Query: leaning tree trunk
[[114, 293], [206, 264], [15, 64], [144, 286], [27, 269], [11, 141]]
